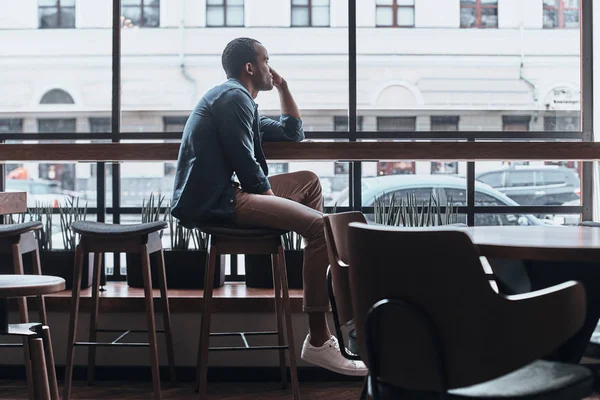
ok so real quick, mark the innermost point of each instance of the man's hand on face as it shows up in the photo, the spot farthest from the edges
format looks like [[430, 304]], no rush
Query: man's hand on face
[[278, 81]]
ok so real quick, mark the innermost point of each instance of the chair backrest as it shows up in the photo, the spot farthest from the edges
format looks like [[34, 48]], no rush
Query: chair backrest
[[438, 271], [336, 236]]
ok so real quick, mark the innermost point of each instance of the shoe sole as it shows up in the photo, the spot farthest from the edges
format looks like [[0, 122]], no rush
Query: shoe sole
[[339, 370]]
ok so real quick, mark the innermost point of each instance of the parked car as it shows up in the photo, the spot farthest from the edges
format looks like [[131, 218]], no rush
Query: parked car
[[443, 187], [39, 190], [535, 186]]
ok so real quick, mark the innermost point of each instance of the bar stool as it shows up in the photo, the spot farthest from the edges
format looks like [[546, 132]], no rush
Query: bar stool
[[15, 241], [248, 241], [43, 382], [99, 238]]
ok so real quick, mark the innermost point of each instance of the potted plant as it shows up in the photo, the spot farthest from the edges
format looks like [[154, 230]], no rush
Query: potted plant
[[409, 213], [55, 261], [185, 260]]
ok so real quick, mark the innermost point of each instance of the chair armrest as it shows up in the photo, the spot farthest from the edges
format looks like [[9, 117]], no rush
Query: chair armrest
[[538, 322]]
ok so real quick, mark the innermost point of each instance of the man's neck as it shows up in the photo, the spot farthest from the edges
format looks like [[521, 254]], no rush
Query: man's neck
[[249, 86]]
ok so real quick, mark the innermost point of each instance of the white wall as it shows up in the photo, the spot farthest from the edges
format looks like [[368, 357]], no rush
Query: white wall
[[93, 14], [22, 14], [365, 13], [437, 13], [267, 13], [514, 13], [339, 12]]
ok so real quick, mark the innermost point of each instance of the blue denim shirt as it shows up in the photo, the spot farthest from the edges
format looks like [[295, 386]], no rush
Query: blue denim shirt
[[223, 136]]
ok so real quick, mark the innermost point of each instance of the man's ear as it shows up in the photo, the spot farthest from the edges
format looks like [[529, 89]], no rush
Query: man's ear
[[249, 69]]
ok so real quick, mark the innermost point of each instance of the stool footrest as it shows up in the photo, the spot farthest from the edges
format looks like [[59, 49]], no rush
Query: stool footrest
[[239, 348], [108, 344], [25, 329], [11, 345]]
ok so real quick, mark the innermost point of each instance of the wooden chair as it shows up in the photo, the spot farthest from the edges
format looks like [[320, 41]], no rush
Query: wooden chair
[[43, 383], [99, 238], [248, 241], [430, 326], [16, 240]]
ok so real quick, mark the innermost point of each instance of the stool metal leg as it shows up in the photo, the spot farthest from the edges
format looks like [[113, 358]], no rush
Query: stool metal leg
[[45, 333], [24, 318], [209, 277], [150, 320], [38, 361], [94, 317], [77, 272], [278, 314], [37, 269], [287, 309], [162, 282]]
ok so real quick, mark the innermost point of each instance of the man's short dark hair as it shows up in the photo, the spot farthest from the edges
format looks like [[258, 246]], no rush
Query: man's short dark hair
[[238, 53]]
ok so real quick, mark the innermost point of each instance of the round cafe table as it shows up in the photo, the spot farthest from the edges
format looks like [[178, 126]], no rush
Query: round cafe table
[[37, 336], [553, 254]]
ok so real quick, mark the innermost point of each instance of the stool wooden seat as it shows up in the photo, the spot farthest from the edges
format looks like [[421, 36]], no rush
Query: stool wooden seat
[[43, 383], [16, 240], [100, 238], [225, 240]]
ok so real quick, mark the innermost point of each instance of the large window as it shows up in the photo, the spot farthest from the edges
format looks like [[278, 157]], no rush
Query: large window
[[56, 14], [478, 13], [225, 13], [142, 13], [561, 14], [310, 12], [399, 13]]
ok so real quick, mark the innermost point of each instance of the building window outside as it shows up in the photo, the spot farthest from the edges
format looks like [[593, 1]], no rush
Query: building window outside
[[395, 13], [100, 125], [561, 14], [516, 123], [224, 13], [56, 14], [142, 13], [389, 124], [340, 124], [310, 12], [173, 124], [478, 13], [444, 124], [57, 96], [562, 124], [11, 125], [62, 173]]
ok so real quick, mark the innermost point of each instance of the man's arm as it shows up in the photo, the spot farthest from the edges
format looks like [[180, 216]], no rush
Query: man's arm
[[234, 113], [289, 126]]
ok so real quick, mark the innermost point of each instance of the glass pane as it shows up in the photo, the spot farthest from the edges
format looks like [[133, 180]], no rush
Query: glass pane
[[489, 2], [551, 3], [300, 2], [468, 17], [320, 16], [300, 16], [215, 16], [406, 16], [385, 2], [214, 2], [319, 3], [235, 16], [67, 3], [571, 18], [489, 17], [405, 2], [48, 18], [67, 17], [132, 15], [468, 2], [131, 3], [550, 18], [151, 17], [571, 3], [235, 2], [385, 16], [47, 3]]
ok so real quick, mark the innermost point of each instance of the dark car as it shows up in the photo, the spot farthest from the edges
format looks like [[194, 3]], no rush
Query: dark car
[[535, 186]]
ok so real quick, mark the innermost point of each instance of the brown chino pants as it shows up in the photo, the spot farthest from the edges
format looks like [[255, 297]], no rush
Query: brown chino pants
[[296, 206]]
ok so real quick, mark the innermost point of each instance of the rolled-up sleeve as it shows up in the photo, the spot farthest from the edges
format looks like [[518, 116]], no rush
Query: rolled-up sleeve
[[287, 129], [234, 116]]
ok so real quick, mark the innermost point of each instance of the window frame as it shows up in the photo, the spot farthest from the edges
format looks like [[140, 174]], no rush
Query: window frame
[[142, 6], [394, 6], [58, 7], [224, 7], [560, 10], [478, 6], [309, 6]]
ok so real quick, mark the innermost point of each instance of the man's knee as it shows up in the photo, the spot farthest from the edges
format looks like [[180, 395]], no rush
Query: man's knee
[[316, 229]]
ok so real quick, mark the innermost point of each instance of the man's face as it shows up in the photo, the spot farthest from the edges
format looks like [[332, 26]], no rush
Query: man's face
[[262, 78]]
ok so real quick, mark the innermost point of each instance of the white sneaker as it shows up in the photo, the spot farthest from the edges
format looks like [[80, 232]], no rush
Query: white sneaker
[[329, 357]]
